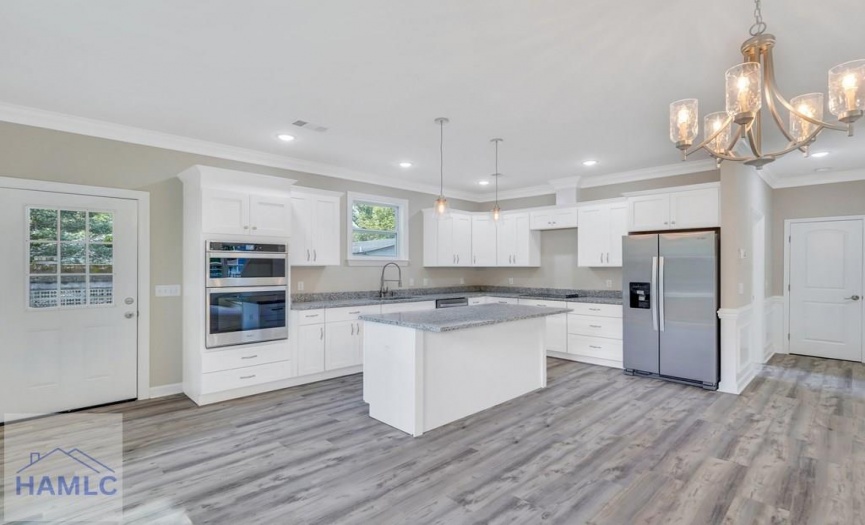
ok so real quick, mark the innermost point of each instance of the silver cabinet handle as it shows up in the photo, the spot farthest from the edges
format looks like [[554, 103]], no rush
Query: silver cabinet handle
[[595, 326], [129, 315], [595, 347], [602, 257], [352, 328], [255, 227], [474, 259], [246, 227], [853, 298], [653, 294], [661, 292], [608, 257], [250, 356], [358, 328], [355, 312], [594, 309], [307, 254], [320, 337], [310, 316], [247, 377], [314, 255]]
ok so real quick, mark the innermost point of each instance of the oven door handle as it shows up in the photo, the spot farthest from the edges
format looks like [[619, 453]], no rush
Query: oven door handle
[[245, 255]]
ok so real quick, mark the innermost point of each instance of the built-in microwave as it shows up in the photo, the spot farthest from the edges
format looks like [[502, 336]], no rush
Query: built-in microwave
[[242, 315], [246, 264]]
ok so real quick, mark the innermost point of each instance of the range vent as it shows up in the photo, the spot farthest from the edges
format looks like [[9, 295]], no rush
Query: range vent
[[309, 125]]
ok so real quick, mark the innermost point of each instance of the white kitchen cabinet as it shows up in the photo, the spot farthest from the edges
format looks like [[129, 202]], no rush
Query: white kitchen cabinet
[[343, 344], [599, 241], [310, 349], [554, 218], [448, 239], [474, 301], [675, 209], [240, 213], [516, 243], [595, 333], [389, 308], [502, 300], [557, 325], [316, 233], [483, 240]]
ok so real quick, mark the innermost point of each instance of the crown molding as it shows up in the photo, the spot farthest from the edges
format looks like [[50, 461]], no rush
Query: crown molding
[[657, 172], [812, 179], [518, 193], [108, 130]]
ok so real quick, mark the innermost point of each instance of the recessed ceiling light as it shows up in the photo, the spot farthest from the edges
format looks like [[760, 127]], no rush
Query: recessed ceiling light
[[285, 137], [405, 164], [821, 170], [484, 182], [819, 154], [590, 162]]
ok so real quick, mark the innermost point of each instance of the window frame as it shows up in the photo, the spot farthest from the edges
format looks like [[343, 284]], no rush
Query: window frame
[[402, 230]]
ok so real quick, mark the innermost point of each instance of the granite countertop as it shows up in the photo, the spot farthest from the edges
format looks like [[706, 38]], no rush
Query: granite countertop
[[459, 318], [350, 299]]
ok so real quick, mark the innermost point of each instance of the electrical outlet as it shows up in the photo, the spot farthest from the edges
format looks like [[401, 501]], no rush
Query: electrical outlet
[[742, 253], [462, 280], [510, 280], [411, 281], [299, 286], [741, 288], [167, 290], [609, 283], [425, 281]]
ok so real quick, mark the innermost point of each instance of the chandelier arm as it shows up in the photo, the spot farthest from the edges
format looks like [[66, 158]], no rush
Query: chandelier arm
[[797, 145], [771, 86], [752, 141], [725, 156], [734, 139], [710, 138]]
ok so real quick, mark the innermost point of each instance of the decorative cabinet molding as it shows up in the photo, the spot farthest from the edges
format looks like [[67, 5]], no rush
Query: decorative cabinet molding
[[681, 208]]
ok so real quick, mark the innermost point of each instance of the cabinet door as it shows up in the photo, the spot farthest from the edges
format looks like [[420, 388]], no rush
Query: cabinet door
[[310, 349], [649, 212], [225, 212], [325, 241], [462, 239], [618, 220], [541, 220], [341, 349], [695, 209], [445, 254], [593, 238], [483, 241], [270, 216], [565, 217], [506, 241], [527, 244], [300, 252]]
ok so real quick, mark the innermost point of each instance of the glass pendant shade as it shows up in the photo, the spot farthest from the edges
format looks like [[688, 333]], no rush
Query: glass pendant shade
[[496, 212], [810, 105], [684, 117], [744, 88], [441, 206], [715, 122], [847, 90]]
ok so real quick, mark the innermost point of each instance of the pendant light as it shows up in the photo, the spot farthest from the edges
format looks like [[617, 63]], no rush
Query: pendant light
[[496, 211], [441, 206]]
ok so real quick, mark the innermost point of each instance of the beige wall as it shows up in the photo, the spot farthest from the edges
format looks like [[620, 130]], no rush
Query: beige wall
[[823, 200], [34, 153], [744, 198], [559, 247]]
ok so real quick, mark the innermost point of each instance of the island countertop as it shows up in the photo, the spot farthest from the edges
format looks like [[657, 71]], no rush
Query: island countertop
[[450, 319]]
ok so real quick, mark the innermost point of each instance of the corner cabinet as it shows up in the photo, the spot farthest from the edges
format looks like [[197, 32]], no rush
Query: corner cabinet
[[599, 240], [316, 232], [682, 208], [233, 212]]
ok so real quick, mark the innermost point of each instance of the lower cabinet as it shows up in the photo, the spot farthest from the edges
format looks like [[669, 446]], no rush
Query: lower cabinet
[[343, 344], [557, 325], [595, 333], [310, 349]]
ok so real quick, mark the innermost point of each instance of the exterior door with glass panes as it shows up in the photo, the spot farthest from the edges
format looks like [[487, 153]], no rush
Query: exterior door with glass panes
[[68, 301]]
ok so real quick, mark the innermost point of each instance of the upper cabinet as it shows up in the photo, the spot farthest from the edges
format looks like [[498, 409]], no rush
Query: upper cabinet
[[517, 244], [232, 212], [448, 239], [483, 240], [554, 218], [316, 231], [462, 239], [675, 208], [599, 241]]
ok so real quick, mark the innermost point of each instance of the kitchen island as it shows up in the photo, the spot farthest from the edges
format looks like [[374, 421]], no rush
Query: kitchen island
[[425, 369]]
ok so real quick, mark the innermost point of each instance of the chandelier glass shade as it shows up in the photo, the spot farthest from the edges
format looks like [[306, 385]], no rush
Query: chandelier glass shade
[[750, 90]]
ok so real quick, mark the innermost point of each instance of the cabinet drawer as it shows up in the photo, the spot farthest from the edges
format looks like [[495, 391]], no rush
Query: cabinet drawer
[[408, 307], [595, 347], [610, 327], [546, 304], [335, 315], [603, 310], [241, 377], [503, 300], [474, 301], [217, 360], [310, 316]]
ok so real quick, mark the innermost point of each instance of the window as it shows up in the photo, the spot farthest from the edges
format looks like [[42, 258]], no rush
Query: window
[[378, 228], [71, 255]]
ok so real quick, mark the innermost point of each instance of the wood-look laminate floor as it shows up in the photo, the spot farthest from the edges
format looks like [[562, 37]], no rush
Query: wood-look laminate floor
[[594, 447]]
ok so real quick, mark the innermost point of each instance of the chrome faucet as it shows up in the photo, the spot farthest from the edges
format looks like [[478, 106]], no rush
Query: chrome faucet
[[382, 292]]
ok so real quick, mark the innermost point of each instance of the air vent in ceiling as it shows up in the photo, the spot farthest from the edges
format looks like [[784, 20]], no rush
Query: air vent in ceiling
[[309, 125]]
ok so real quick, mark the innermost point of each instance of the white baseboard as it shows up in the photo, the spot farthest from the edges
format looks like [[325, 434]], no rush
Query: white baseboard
[[166, 390]]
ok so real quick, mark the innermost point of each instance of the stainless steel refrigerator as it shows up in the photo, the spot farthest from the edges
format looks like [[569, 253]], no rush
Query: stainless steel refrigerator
[[671, 300]]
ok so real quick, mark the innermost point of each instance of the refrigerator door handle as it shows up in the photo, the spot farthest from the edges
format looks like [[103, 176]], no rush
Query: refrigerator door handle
[[660, 295], [653, 294]]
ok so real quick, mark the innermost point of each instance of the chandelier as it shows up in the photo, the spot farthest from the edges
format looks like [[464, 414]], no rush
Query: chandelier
[[751, 87]]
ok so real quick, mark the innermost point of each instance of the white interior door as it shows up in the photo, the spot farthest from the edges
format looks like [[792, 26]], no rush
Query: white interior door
[[826, 276], [68, 311]]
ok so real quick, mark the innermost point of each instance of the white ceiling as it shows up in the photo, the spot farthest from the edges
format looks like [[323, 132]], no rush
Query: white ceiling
[[560, 81]]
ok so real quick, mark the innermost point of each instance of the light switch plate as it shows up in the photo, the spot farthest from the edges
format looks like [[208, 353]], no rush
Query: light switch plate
[[167, 290], [411, 281], [462, 281], [510, 280], [299, 286], [609, 283]]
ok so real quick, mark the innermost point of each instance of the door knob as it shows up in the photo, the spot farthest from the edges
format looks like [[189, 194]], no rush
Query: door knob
[[853, 297], [129, 315]]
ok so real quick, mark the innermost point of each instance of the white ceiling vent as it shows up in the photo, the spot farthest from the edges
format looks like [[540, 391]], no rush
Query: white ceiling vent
[[309, 125]]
